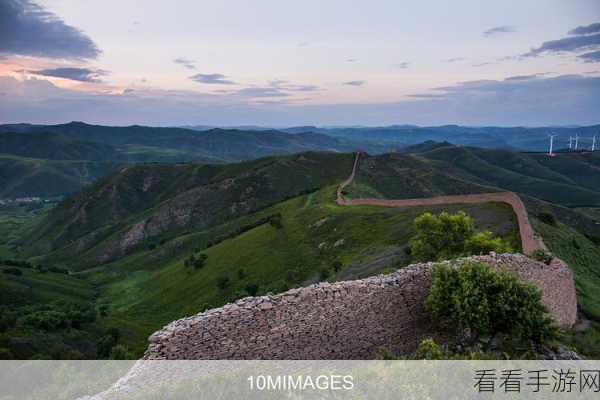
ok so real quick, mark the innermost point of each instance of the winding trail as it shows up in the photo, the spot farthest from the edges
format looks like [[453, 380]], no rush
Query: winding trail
[[530, 242]]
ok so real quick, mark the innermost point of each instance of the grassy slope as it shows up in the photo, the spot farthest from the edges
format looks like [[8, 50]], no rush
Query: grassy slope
[[173, 199], [20, 176], [582, 256], [143, 300], [567, 179], [592, 212], [14, 220], [402, 176]]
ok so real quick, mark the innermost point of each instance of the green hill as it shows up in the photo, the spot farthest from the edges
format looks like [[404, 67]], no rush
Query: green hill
[[405, 176], [570, 179], [52, 146], [142, 205], [213, 144], [24, 177], [53, 160]]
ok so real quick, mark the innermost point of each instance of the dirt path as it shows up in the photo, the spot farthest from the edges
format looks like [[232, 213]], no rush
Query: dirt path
[[529, 240]]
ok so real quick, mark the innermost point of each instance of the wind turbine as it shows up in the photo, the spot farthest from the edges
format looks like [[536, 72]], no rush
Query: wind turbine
[[570, 142], [576, 140], [594, 143], [551, 136]]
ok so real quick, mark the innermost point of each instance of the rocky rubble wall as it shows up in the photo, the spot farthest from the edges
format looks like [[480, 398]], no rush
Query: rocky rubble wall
[[342, 320]]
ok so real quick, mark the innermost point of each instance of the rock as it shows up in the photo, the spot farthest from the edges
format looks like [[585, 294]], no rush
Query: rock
[[320, 222], [339, 243]]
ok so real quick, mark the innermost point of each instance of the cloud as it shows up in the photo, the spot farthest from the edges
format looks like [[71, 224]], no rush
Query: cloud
[[584, 30], [483, 64], [72, 73], [212, 79], [402, 65], [499, 30], [523, 77], [189, 64], [287, 86], [455, 59], [427, 96], [268, 91], [28, 29], [593, 56], [355, 83], [567, 44]]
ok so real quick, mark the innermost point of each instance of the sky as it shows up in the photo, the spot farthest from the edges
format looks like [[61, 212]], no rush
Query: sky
[[285, 63]]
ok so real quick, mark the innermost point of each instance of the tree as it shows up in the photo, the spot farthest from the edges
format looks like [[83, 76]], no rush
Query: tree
[[447, 236], [477, 299]]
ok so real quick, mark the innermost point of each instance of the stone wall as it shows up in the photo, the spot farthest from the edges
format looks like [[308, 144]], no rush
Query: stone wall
[[342, 320]]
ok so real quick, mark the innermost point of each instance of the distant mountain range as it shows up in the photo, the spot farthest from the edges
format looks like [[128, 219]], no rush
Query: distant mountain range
[[50, 160], [517, 138]]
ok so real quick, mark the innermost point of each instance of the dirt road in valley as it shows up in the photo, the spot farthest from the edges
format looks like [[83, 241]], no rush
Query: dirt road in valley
[[529, 240]]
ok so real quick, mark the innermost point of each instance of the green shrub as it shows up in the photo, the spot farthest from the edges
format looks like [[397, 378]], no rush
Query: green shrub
[[48, 320], [337, 265], [222, 282], [200, 261], [484, 243], [324, 273], [542, 256], [547, 218], [476, 299], [429, 350], [446, 236], [195, 262], [120, 352], [251, 288], [275, 221], [105, 345]]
